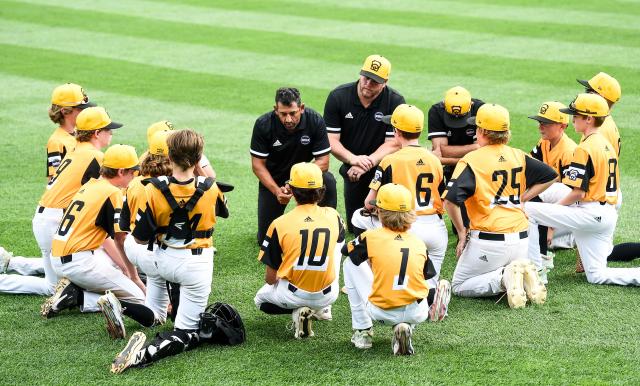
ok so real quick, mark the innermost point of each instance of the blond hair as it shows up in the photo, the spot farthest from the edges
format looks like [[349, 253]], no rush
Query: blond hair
[[57, 113], [396, 221], [185, 148], [496, 137], [153, 165]]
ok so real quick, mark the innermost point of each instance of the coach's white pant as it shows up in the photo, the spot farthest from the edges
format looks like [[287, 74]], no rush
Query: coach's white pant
[[431, 229], [592, 225], [479, 269], [280, 294], [157, 297], [358, 279], [194, 274], [45, 223], [92, 271]]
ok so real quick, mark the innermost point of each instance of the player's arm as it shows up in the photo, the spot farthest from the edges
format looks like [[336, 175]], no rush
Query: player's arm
[[271, 254], [457, 151], [356, 249], [576, 194], [461, 187], [131, 269], [539, 176], [389, 146], [204, 168]]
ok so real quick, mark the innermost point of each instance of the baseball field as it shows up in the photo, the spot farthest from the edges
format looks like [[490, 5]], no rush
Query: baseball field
[[214, 66]]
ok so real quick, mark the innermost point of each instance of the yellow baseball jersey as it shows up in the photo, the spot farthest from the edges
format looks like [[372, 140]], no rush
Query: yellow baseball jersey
[[134, 205], [399, 262], [594, 169], [154, 223], [77, 168], [60, 143], [609, 130], [419, 171], [490, 180], [89, 219], [559, 158], [301, 246]]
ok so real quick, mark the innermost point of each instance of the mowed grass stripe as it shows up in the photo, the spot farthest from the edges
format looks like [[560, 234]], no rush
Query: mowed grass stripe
[[412, 37], [625, 7], [422, 88], [432, 61]]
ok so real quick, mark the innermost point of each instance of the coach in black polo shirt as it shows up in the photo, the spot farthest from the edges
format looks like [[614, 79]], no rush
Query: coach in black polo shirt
[[281, 138], [353, 114], [452, 137]]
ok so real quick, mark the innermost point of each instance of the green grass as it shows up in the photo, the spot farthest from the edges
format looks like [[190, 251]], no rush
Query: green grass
[[214, 66]]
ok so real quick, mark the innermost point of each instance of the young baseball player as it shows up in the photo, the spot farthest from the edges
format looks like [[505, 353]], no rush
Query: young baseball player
[[180, 216], [301, 252], [67, 101], [418, 170], [91, 217], [589, 208], [492, 182], [94, 132], [392, 288]]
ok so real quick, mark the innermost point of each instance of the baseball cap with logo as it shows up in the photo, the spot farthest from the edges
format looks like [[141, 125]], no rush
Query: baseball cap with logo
[[95, 118], [306, 175], [121, 157], [156, 127], [376, 67], [393, 197], [550, 113], [491, 117], [592, 105], [605, 85], [457, 104], [158, 143], [407, 118], [70, 95]]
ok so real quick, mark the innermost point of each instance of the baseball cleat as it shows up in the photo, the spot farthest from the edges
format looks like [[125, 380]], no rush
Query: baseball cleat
[[65, 295], [362, 339], [579, 266], [323, 314], [131, 355], [533, 286], [513, 281], [547, 260], [401, 341], [112, 311], [302, 322], [438, 310], [5, 258]]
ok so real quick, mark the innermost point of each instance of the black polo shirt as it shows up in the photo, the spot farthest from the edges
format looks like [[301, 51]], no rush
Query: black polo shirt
[[283, 149], [361, 129], [457, 137]]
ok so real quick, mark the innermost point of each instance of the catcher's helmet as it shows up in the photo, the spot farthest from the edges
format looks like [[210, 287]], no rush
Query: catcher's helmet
[[220, 323]]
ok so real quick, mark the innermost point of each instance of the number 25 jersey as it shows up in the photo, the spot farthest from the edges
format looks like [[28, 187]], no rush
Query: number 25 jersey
[[301, 246]]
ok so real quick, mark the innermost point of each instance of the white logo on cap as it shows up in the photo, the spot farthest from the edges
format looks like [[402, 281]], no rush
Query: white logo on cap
[[378, 116]]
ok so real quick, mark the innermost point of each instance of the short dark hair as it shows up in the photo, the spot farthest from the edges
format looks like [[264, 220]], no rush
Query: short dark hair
[[407, 135], [598, 121], [288, 95], [308, 196], [108, 172]]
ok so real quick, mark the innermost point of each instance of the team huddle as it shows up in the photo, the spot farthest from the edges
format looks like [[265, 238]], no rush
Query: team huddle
[[131, 236]]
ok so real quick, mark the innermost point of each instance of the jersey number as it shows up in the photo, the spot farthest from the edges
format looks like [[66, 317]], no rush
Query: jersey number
[[505, 177], [423, 193], [612, 182], [69, 218], [59, 170], [401, 280], [313, 261]]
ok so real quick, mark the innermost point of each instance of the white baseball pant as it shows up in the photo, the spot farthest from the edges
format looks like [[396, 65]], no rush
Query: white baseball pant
[[284, 296], [93, 272], [358, 279], [194, 274], [431, 229], [157, 296], [479, 269], [592, 225]]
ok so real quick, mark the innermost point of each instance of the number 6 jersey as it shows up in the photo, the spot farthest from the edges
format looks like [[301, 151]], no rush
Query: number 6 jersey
[[490, 180], [301, 246]]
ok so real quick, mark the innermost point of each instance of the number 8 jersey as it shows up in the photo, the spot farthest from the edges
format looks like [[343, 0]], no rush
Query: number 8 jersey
[[490, 180], [301, 246]]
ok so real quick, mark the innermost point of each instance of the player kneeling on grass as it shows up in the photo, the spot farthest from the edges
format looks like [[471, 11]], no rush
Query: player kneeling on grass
[[180, 215], [91, 217], [491, 182], [392, 288], [302, 253]]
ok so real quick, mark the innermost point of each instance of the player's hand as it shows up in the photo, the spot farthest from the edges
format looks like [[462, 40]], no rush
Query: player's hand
[[364, 162], [462, 242], [284, 195], [549, 235], [355, 172]]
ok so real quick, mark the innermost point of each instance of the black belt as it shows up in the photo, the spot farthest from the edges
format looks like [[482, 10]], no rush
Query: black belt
[[40, 209], [499, 236], [194, 251], [293, 289], [68, 258], [196, 234]]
